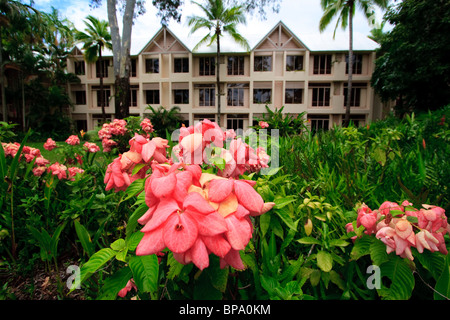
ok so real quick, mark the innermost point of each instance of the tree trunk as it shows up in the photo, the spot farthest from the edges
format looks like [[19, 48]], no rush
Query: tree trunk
[[102, 90], [121, 55], [2, 83], [350, 66], [219, 94]]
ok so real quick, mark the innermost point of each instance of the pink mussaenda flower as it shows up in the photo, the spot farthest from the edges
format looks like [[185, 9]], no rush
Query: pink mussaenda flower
[[129, 286], [73, 171], [400, 234], [39, 170], [50, 144], [195, 214], [11, 148], [41, 161], [58, 170], [146, 125], [91, 147], [107, 144], [263, 124], [73, 140]]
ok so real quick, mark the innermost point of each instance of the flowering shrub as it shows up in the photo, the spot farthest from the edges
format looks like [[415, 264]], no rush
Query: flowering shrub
[[191, 212], [401, 227]]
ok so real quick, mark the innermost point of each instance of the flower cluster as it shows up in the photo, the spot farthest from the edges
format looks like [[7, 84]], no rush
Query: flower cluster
[[91, 147], [401, 227], [119, 173], [50, 144], [147, 126], [204, 142], [73, 140], [118, 127], [191, 212], [195, 214]]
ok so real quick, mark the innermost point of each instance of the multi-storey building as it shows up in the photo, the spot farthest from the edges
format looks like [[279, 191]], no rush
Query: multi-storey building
[[279, 71]]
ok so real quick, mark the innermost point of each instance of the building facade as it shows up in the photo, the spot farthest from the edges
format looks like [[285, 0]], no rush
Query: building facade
[[279, 71]]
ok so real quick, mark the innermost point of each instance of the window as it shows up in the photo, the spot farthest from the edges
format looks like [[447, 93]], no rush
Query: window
[[181, 65], [79, 68], [293, 96], [152, 97], [101, 68], [152, 65], [320, 94], [235, 97], [133, 71], [355, 97], [357, 64], [262, 95], [294, 63], [181, 96], [207, 66], [207, 97], [133, 96], [106, 96], [236, 66], [236, 121], [263, 63], [80, 97], [201, 117], [322, 64], [319, 122]]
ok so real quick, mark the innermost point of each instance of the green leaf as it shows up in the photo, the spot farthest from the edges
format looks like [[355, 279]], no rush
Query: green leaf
[[134, 239], [134, 188], [314, 277], [145, 272], [284, 215], [282, 202], [402, 279], [264, 223], [338, 243], [118, 245], [114, 284], [324, 261], [133, 220], [84, 237], [97, 260], [378, 252], [443, 284], [361, 247], [309, 240]]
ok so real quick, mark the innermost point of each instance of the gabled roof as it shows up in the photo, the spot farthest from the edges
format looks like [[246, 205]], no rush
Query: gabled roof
[[280, 28], [164, 41]]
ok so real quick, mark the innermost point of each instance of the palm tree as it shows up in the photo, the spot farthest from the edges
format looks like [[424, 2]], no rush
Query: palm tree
[[345, 11], [218, 19], [95, 38]]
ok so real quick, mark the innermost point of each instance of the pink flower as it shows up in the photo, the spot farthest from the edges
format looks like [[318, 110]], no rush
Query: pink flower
[[58, 170], [195, 214], [387, 206], [147, 126], [91, 147], [73, 171], [73, 140], [11, 148], [38, 171], [367, 218], [263, 124], [398, 239], [41, 161], [107, 144], [129, 286], [50, 144], [115, 177]]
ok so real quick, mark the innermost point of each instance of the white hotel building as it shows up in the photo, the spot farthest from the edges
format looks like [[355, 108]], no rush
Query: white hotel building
[[280, 70]]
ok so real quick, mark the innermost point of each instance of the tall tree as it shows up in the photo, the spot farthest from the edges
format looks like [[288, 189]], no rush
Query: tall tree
[[10, 10], [345, 10], [413, 67], [95, 39], [121, 43], [219, 19]]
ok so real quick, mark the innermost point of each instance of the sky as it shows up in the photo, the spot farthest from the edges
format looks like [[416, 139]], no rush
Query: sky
[[300, 16]]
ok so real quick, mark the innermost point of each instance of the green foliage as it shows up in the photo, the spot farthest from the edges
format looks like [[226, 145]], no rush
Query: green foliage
[[164, 120], [412, 66], [287, 124]]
